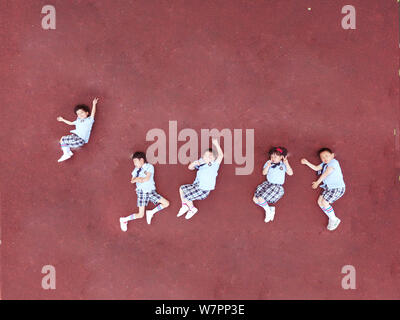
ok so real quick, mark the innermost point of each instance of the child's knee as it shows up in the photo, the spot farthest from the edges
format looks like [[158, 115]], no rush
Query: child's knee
[[61, 140], [165, 203], [255, 200], [322, 202]]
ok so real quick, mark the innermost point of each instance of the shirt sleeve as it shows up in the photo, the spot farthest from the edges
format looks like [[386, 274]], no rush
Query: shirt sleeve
[[134, 172], [333, 164], [265, 165], [149, 168]]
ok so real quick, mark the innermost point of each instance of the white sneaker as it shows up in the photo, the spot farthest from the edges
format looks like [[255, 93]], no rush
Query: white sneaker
[[334, 224], [183, 210], [123, 224], [149, 216], [272, 213], [70, 153], [64, 157], [268, 215], [191, 213]]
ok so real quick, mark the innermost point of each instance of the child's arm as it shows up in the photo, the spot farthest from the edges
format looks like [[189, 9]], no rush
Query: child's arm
[[61, 119], [94, 103], [310, 165], [289, 169], [194, 164], [220, 152], [144, 179], [265, 170], [327, 172]]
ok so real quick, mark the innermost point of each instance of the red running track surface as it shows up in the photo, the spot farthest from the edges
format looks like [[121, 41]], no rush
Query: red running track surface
[[291, 74]]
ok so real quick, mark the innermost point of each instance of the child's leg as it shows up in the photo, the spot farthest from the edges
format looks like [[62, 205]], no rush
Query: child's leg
[[264, 204], [162, 204], [261, 202], [186, 202], [64, 147], [326, 208], [135, 216]]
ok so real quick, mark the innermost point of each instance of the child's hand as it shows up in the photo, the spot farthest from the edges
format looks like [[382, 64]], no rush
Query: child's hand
[[95, 100], [304, 161], [133, 180], [315, 184], [269, 162], [285, 160], [60, 119]]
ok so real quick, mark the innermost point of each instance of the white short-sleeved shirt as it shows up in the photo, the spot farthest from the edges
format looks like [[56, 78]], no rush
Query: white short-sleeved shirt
[[207, 175], [276, 173], [83, 127], [335, 178], [149, 185]]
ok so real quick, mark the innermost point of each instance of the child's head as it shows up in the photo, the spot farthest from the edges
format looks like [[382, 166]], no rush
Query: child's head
[[276, 154], [326, 154], [139, 159], [209, 155], [82, 111]]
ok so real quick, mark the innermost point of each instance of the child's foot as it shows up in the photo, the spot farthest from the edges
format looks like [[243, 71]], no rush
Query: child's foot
[[64, 157], [123, 224], [334, 224], [149, 216], [268, 215], [182, 211], [272, 213], [191, 213]]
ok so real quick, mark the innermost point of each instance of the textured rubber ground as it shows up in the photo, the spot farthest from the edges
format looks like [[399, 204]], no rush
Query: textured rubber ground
[[291, 74]]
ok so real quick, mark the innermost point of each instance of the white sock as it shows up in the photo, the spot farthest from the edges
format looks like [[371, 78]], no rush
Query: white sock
[[329, 212], [66, 150], [156, 209]]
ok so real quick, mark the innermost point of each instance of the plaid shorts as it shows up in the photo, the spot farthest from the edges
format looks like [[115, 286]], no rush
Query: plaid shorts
[[331, 195], [143, 198], [72, 141], [193, 192], [270, 192]]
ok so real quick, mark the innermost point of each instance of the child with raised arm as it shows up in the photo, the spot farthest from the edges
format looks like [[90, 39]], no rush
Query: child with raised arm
[[333, 184], [83, 125], [207, 170]]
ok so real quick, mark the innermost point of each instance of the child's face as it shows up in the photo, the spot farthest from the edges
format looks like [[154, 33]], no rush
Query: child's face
[[326, 156], [82, 114], [275, 158], [208, 157], [138, 162]]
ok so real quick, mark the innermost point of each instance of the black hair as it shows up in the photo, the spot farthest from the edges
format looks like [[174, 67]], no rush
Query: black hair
[[280, 151], [83, 107], [323, 150], [139, 155], [212, 151]]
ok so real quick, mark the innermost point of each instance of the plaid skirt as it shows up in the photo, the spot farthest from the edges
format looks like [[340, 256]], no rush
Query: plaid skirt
[[270, 192], [193, 192], [143, 198], [331, 195], [72, 141]]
